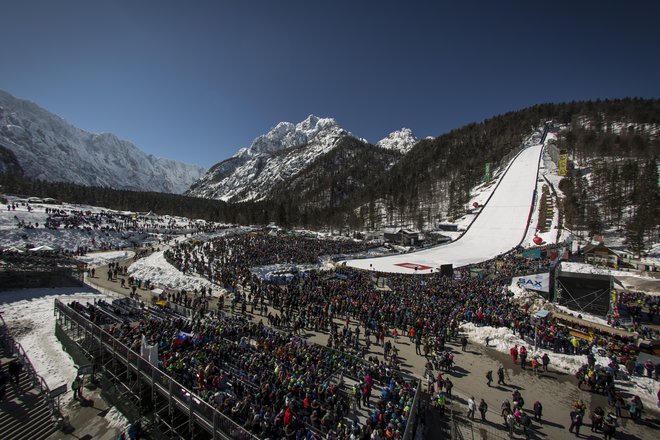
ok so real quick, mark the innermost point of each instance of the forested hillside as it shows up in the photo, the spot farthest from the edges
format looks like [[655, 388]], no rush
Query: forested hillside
[[435, 178], [315, 195], [614, 181]]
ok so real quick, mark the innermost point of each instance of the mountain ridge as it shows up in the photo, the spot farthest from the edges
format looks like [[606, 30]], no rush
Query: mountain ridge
[[48, 147], [284, 151]]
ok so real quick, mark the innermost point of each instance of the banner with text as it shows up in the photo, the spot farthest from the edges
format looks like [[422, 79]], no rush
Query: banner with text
[[539, 281]]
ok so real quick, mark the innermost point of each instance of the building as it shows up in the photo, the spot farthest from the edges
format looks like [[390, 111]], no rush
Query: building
[[448, 227], [403, 237], [435, 237], [600, 255]]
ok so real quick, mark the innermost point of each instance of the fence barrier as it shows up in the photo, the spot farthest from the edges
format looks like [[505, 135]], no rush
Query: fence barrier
[[107, 351], [15, 348]]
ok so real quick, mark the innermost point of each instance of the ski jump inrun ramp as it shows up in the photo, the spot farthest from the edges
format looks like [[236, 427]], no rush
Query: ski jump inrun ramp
[[500, 226]]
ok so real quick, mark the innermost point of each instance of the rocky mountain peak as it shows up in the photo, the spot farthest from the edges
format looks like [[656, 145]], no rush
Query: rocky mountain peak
[[401, 140], [288, 135]]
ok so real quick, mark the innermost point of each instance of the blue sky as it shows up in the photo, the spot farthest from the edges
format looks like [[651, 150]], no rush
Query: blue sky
[[194, 81]]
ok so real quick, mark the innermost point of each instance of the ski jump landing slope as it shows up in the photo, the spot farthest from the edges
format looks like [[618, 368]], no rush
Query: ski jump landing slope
[[499, 227]]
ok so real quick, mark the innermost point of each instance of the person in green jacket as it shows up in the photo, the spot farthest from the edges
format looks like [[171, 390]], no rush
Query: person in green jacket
[[76, 387]]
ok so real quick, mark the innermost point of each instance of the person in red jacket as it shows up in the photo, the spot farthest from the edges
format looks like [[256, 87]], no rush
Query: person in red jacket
[[514, 353], [523, 357], [288, 416]]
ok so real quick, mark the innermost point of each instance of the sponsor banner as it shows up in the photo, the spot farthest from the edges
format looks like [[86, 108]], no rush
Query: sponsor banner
[[532, 254], [563, 163], [581, 335], [413, 266], [539, 281]]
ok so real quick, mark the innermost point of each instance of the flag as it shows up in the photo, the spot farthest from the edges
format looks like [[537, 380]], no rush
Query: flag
[[181, 337]]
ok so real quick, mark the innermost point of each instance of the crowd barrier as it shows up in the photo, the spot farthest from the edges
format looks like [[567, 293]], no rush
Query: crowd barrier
[[172, 401], [16, 349]]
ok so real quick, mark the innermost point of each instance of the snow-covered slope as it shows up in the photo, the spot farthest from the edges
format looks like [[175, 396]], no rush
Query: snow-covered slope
[[500, 226], [271, 158], [401, 140], [49, 148]]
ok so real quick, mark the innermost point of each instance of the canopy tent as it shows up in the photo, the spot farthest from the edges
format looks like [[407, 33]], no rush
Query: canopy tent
[[14, 249], [150, 216], [41, 249]]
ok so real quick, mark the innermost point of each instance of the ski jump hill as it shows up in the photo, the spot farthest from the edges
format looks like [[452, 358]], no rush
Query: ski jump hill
[[500, 226]]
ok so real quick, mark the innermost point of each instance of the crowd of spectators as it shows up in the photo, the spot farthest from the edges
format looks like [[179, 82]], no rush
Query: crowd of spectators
[[227, 260], [101, 226], [275, 384], [272, 383]]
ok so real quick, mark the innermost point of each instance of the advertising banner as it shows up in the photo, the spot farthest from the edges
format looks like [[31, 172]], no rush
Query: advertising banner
[[539, 282], [563, 163], [532, 254]]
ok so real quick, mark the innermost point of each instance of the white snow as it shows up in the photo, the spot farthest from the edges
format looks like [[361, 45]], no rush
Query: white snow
[[502, 339], [28, 314], [586, 316], [271, 158], [162, 274], [103, 258], [500, 226], [575, 267], [103, 237], [116, 419], [401, 140]]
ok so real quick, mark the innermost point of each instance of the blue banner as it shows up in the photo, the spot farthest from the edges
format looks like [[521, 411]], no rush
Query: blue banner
[[532, 254]]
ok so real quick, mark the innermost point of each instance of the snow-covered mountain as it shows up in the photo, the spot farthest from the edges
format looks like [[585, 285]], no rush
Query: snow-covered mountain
[[49, 148], [277, 156], [401, 140], [271, 158]]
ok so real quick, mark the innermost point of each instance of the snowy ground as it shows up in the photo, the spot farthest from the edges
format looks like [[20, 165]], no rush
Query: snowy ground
[[72, 239], [69, 239], [574, 267], [500, 226], [502, 339], [28, 314], [96, 259], [162, 274]]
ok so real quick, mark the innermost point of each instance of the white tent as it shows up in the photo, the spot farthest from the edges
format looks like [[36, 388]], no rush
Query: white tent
[[41, 249], [150, 216], [14, 249]]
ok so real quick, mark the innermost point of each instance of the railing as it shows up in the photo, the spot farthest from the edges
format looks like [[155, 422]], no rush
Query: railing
[[464, 429], [198, 411], [16, 348], [411, 426], [454, 428]]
